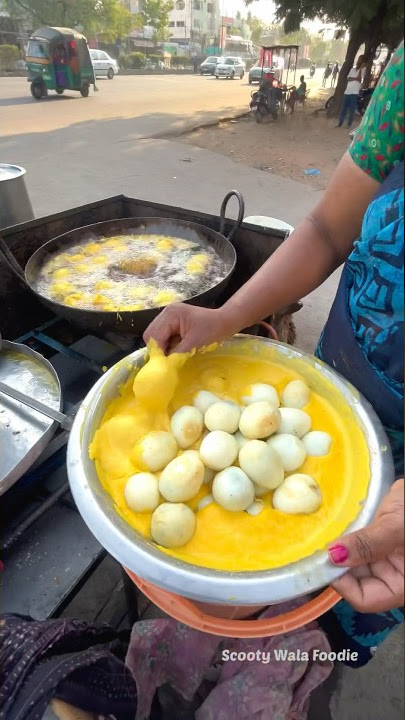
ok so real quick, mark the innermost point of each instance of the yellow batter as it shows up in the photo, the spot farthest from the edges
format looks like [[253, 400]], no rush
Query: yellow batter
[[226, 540]]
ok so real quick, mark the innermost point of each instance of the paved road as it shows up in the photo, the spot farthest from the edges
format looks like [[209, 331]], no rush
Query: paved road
[[157, 104]]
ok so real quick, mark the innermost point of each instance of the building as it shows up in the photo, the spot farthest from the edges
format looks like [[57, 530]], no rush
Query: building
[[195, 24]]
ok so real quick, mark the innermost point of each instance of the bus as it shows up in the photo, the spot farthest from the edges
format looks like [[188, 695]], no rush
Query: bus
[[245, 49]]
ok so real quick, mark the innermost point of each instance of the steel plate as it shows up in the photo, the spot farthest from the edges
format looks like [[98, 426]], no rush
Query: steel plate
[[24, 432]]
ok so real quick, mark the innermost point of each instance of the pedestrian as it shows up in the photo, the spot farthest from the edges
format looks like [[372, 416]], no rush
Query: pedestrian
[[359, 221], [195, 63], [335, 73], [327, 73], [351, 96]]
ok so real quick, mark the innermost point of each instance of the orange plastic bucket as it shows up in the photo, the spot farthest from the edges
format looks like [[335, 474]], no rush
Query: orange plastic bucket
[[227, 623]]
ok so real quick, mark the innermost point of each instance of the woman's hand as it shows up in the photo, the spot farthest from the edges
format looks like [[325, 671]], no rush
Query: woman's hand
[[181, 327], [376, 555]]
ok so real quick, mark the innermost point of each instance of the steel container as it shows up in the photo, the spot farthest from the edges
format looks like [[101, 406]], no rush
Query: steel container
[[15, 205], [203, 584]]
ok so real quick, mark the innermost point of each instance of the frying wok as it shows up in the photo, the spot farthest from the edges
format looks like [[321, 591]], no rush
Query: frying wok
[[134, 322]]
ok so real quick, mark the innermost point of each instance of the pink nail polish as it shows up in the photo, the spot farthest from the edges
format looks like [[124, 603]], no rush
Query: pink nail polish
[[338, 554]]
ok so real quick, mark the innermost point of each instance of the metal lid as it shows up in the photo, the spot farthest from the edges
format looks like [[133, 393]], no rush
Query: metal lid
[[10, 172]]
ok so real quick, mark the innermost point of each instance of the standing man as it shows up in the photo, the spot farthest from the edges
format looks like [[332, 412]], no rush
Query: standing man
[[351, 96], [327, 73], [335, 73]]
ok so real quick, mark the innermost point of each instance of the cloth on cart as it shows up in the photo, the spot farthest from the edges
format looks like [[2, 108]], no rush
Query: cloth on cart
[[165, 652], [68, 659]]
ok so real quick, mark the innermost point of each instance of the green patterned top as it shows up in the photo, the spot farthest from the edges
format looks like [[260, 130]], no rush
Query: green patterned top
[[378, 144]]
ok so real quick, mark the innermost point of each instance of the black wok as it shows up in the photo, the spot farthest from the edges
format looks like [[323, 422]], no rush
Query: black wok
[[134, 322]]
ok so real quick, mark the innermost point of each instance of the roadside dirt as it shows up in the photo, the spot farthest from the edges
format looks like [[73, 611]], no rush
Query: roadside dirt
[[287, 146]]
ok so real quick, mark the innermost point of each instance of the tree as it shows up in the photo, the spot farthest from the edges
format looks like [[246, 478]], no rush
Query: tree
[[257, 28], [155, 13], [370, 22], [105, 17]]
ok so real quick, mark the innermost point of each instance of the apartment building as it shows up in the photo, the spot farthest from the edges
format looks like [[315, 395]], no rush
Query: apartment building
[[195, 20]]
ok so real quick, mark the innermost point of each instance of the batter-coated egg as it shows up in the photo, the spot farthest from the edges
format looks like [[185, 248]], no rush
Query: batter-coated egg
[[290, 449], [233, 490], [204, 399], [295, 395], [294, 422], [155, 451], [173, 525], [218, 450], [187, 424], [317, 443], [259, 420], [261, 392], [182, 478], [222, 416], [142, 492], [298, 494], [262, 464]]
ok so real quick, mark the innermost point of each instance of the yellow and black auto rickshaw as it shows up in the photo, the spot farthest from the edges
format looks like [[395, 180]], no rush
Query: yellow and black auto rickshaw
[[58, 59]]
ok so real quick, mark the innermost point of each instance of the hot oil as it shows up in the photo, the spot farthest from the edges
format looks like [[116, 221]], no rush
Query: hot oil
[[130, 272]]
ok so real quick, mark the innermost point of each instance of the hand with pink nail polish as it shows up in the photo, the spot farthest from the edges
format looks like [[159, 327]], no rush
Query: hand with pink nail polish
[[375, 555]]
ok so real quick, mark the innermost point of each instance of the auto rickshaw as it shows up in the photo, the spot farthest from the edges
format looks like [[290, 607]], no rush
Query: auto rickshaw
[[58, 59]]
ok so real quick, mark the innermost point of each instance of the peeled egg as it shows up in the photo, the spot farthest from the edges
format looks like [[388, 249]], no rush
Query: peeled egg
[[260, 490], [290, 449], [142, 492], [294, 422], [317, 443], [240, 439], [259, 420], [222, 416], [204, 399], [187, 425], [182, 478], [298, 494], [155, 451], [233, 490], [218, 450], [173, 525], [295, 395], [261, 392], [262, 464], [208, 476]]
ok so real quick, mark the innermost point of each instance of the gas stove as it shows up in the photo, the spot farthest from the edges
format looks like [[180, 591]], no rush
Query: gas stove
[[47, 551]]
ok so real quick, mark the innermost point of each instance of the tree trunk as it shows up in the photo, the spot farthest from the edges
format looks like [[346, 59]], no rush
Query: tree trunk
[[357, 38]]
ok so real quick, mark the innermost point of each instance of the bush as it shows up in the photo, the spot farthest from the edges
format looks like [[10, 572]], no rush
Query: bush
[[136, 60], [180, 60], [9, 56], [154, 58]]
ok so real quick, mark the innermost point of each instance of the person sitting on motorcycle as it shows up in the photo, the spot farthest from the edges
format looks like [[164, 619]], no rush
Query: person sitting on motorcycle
[[312, 69], [298, 94]]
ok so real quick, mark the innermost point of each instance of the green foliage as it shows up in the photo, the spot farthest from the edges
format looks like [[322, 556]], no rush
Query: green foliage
[[105, 17], [155, 13], [257, 28], [9, 55], [180, 60], [136, 60]]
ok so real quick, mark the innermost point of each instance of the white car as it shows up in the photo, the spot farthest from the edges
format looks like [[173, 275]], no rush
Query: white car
[[103, 64], [230, 67]]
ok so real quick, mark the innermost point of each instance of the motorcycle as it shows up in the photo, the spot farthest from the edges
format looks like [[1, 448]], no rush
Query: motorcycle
[[265, 103], [312, 71], [364, 98]]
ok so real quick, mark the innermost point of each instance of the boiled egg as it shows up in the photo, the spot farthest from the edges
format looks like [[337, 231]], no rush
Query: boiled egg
[[294, 422], [261, 464], [142, 492], [204, 399], [259, 420], [155, 451], [182, 478], [298, 494], [218, 450], [187, 424], [233, 490], [317, 443], [261, 392], [173, 525], [295, 395], [222, 416], [290, 449]]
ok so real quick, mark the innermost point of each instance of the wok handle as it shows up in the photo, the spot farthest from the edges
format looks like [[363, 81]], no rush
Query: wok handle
[[241, 201], [10, 260]]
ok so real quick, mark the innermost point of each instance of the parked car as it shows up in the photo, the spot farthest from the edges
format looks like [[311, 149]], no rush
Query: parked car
[[104, 65], [230, 67], [256, 73], [208, 66]]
